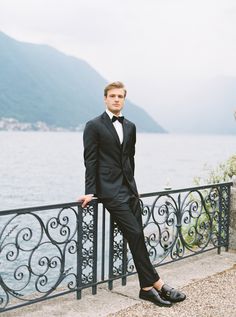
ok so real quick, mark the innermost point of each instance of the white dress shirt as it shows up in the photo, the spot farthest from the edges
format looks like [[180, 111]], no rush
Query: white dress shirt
[[117, 125]]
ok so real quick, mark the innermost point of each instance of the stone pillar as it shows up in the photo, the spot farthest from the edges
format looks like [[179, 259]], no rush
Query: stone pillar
[[232, 226]]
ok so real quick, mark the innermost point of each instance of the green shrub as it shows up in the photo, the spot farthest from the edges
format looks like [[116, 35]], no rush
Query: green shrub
[[222, 173]]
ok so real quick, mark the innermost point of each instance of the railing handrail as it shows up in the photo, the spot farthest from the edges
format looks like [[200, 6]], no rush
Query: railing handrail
[[39, 208], [76, 203], [181, 190]]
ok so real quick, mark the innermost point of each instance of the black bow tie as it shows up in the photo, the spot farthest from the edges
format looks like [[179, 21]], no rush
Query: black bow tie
[[120, 119]]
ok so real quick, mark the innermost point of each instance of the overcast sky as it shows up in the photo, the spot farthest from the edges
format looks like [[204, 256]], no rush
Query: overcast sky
[[144, 43]]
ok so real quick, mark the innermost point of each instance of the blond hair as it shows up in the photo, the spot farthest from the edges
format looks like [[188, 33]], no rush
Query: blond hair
[[115, 84]]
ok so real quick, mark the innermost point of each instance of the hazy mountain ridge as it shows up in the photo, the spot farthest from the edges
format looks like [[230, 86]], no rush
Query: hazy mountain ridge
[[39, 83], [199, 106], [214, 106]]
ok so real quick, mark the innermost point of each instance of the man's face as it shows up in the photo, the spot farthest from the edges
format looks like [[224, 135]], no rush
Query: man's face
[[115, 100]]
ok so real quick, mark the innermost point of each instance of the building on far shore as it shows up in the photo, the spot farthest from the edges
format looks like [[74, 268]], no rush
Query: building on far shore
[[11, 124]]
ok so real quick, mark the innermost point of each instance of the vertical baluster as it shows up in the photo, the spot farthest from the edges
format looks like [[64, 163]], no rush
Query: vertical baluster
[[111, 253], [220, 220], [95, 245], [103, 243], [227, 215], [79, 251]]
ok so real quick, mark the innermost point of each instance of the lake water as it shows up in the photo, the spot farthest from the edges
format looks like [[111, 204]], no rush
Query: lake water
[[38, 168], [41, 168]]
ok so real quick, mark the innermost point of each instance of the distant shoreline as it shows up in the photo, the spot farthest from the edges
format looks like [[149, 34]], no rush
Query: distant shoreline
[[12, 124]]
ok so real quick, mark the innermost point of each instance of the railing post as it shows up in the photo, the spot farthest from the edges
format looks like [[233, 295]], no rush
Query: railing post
[[103, 243], [111, 254], [79, 251], [95, 246], [227, 216], [220, 221], [232, 220]]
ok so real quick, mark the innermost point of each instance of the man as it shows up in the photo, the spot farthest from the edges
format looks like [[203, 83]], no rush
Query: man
[[109, 148]]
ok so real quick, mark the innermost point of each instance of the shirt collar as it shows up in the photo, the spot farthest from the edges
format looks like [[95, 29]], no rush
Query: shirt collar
[[110, 114]]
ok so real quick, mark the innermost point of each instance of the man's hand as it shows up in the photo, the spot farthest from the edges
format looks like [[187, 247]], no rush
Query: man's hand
[[85, 199]]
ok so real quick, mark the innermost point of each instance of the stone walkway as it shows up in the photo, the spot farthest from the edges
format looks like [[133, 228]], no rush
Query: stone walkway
[[214, 296], [208, 279]]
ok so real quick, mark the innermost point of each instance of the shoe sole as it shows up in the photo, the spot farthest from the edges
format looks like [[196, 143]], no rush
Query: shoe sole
[[152, 301], [177, 301]]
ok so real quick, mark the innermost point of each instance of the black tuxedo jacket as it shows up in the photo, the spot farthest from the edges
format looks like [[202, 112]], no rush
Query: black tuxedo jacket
[[107, 162]]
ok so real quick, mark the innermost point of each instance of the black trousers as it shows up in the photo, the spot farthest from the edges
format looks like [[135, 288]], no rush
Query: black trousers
[[126, 212]]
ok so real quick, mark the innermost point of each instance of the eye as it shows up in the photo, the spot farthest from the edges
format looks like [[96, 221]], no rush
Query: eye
[[112, 96], [120, 96]]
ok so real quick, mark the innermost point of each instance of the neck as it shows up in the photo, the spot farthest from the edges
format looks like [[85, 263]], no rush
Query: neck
[[115, 113]]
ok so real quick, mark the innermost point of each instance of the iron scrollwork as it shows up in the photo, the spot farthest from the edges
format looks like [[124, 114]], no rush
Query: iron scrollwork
[[36, 254], [177, 225]]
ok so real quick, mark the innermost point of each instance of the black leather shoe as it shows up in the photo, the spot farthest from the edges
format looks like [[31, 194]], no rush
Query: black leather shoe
[[171, 294], [153, 296]]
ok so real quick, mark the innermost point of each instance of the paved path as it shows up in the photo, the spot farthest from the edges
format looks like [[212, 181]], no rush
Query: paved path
[[214, 296], [209, 281]]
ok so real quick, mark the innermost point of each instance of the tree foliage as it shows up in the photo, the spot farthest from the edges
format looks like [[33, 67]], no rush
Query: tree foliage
[[222, 173]]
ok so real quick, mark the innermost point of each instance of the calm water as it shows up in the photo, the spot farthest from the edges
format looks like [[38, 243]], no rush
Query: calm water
[[38, 168], [45, 168]]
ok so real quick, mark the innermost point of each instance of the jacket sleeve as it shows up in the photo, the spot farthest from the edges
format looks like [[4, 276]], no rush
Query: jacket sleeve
[[90, 140], [132, 151]]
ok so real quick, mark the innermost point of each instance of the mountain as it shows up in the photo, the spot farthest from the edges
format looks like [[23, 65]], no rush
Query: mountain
[[39, 83]]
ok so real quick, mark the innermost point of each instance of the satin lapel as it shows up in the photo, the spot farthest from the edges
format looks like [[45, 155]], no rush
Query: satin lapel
[[126, 133], [110, 127]]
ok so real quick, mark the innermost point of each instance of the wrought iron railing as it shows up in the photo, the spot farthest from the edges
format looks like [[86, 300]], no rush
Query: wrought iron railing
[[49, 251]]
